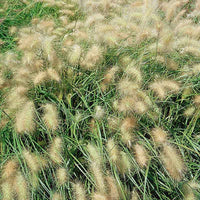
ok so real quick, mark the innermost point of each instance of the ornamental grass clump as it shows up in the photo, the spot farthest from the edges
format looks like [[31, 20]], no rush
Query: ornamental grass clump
[[99, 99]]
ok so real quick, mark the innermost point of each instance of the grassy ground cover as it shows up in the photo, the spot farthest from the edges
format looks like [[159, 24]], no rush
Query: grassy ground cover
[[99, 100]]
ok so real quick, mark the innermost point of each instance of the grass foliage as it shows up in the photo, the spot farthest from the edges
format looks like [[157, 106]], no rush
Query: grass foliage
[[99, 100]]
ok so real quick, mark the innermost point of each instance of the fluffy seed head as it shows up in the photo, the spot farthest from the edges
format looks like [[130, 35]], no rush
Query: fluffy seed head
[[127, 126], [113, 151], [55, 150], [79, 191], [197, 100], [164, 87], [99, 196], [32, 161], [57, 196], [127, 87], [189, 111], [16, 98], [124, 165], [132, 104], [21, 187], [74, 55], [112, 188], [7, 191], [40, 78], [141, 155], [53, 75], [25, 119], [94, 154], [109, 77], [50, 117], [61, 175], [172, 161], [113, 123], [96, 167], [189, 189], [99, 113], [92, 58], [159, 135], [134, 195], [134, 73], [98, 176], [9, 169]]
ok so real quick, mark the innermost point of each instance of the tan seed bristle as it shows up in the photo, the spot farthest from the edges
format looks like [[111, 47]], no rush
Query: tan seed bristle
[[9, 169], [112, 188], [55, 150], [127, 127], [99, 196], [79, 191], [172, 162], [50, 117], [159, 135], [61, 175], [7, 190], [31, 160], [53, 75], [57, 196], [141, 155], [25, 122], [124, 165], [21, 187], [197, 100], [134, 195], [40, 77], [99, 113], [113, 150]]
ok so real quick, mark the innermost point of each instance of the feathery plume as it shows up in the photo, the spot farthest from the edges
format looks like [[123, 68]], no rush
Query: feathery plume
[[53, 75], [141, 155], [113, 193], [127, 87], [7, 190], [46, 26], [79, 191], [50, 117], [134, 195], [74, 54], [95, 18], [9, 169], [57, 196], [126, 128], [99, 113], [124, 165], [25, 119], [197, 100], [92, 58], [40, 77], [96, 167], [188, 190], [61, 176], [172, 162], [55, 150], [113, 150], [159, 135], [163, 87], [21, 187], [113, 123], [134, 73], [32, 161], [16, 98], [99, 196], [132, 104], [189, 112], [109, 77]]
